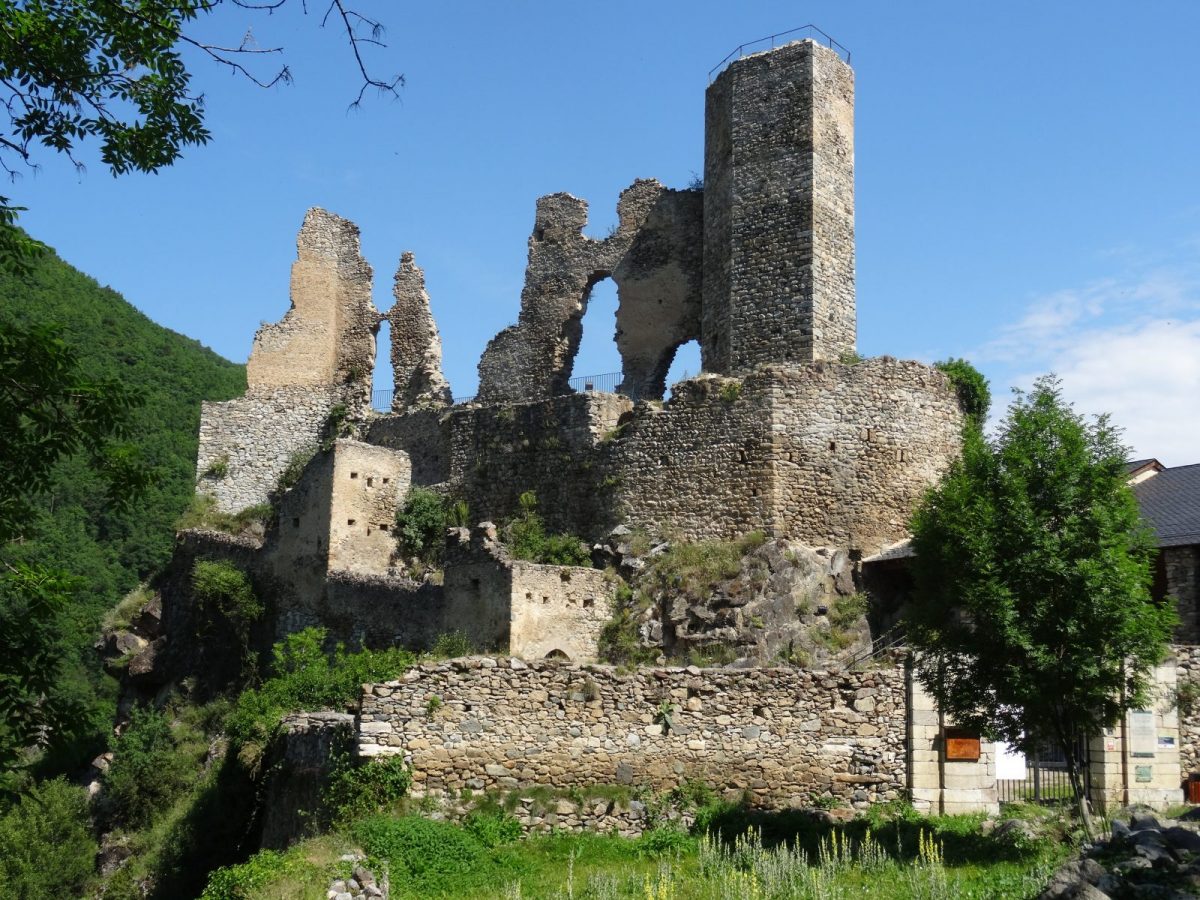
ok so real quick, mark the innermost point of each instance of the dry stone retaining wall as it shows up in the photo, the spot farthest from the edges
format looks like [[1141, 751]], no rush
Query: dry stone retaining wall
[[784, 737], [1187, 657]]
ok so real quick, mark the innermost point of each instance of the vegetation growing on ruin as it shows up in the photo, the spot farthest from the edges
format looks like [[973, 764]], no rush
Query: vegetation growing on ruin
[[527, 539], [421, 525], [203, 514], [974, 395]]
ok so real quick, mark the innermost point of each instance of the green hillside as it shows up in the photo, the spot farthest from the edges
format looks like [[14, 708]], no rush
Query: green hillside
[[75, 528]]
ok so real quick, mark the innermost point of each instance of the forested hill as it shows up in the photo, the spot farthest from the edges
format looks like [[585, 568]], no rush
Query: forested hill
[[76, 530]]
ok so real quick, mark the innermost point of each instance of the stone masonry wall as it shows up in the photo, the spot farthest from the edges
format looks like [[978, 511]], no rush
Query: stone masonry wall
[[1187, 657], [1182, 568], [423, 435], [855, 446], [779, 210], [550, 448], [254, 437], [416, 344], [784, 736], [369, 485]]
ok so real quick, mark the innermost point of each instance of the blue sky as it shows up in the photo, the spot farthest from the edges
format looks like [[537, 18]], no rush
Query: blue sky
[[1027, 190]]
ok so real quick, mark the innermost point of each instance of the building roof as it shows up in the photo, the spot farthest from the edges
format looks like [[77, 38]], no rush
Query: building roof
[[1170, 501]]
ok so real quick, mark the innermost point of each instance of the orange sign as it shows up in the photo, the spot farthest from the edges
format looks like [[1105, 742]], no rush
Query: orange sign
[[962, 745]]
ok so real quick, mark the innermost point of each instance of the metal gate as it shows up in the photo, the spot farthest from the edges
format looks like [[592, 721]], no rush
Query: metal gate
[[1046, 780]]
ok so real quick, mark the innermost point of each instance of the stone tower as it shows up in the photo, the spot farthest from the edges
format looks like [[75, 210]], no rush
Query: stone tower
[[779, 210]]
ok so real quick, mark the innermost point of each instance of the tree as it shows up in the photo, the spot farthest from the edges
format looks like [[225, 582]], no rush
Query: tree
[[114, 71], [48, 411], [1032, 619]]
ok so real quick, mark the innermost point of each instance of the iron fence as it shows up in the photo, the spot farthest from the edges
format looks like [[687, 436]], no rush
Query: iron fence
[[769, 42], [1046, 780]]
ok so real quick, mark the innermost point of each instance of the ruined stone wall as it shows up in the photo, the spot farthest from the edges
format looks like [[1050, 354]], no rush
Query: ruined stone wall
[[253, 438], [828, 454], [328, 335], [301, 760], [655, 250], [369, 485], [424, 435], [784, 736], [855, 447], [779, 210], [1187, 657], [496, 453], [699, 467], [416, 345], [1182, 568]]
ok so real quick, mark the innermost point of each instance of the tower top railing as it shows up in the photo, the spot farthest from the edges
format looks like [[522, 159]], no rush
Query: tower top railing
[[773, 40]]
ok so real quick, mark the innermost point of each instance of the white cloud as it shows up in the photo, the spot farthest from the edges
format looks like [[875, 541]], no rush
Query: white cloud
[[1126, 346]]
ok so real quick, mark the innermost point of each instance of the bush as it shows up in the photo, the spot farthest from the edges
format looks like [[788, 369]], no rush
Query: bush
[[295, 467], [493, 828], [246, 880], [306, 677], [664, 841], [148, 770], [974, 395], [46, 843], [202, 514], [418, 848], [527, 539], [421, 525], [451, 644], [224, 588], [358, 790]]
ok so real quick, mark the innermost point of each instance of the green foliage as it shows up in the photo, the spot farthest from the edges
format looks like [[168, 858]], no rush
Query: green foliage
[[46, 843], [245, 880], [419, 849], [1033, 617], [450, 644], [527, 539], [421, 525], [849, 358], [492, 828], [202, 514], [974, 396], [307, 677], [664, 841], [665, 715], [218, 468], [432, 705], [730, 391], [357, 790], [225, 595], [1187, 696], [75, 445], [148, 770], [295, 467]]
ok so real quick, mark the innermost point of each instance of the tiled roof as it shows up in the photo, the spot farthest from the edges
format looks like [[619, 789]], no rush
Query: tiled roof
[[1170, 501]]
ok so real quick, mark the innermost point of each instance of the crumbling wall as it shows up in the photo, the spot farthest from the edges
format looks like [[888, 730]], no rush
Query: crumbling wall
[[424, 435], [855, 446], [247, 443], [532, 360], [300, 762], [523, 608], [550, 448], [779, 210], [318, 358], [328, 335], [369, 484], [1187, 657], [783, 736], [416, 344]]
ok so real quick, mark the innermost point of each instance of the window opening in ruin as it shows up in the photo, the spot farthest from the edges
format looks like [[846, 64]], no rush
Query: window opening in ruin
[[295, 523], [686, 364], [386, 480], [557, 654], [589, 602], [564, 575], [597, 358], [383, 526], [351, 521], [353, 474], [370, 482], [382, 382]]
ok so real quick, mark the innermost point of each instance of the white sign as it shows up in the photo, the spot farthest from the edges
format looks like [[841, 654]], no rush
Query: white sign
[[1143, 736], [1010, 762]]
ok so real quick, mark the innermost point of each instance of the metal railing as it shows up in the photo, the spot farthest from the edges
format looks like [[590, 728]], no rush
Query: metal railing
[[1044, 783], [607, 383], [762, 44]]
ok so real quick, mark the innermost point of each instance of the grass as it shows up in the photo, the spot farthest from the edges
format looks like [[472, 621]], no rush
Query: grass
[[202, 513], [744, 855]]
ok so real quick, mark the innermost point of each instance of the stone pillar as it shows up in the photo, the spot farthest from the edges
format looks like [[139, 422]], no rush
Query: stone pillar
[[1138, 760], [779, 210], [939, 785]]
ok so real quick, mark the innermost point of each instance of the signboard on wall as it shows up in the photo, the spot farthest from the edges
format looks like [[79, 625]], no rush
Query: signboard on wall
[[961, 745], [1143, 736]]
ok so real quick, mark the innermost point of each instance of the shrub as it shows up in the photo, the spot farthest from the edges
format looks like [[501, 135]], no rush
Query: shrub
[[295, 467], [974, 395], [148, 769], [492, 828], [218, 468], [730, 391], [451, 644], [354, 791], [225, 593], [202, 513], [417, 847], [527, 539], [246, 880], [421, 525], [664, 841], [306, 677], [46, 843]]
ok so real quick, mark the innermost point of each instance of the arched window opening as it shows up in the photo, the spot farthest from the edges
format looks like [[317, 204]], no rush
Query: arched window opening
[[558, 655], [686, 364], [597, 362], [381, 382]]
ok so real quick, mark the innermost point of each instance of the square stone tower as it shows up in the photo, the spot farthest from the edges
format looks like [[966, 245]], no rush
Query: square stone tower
[[779, 210]]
